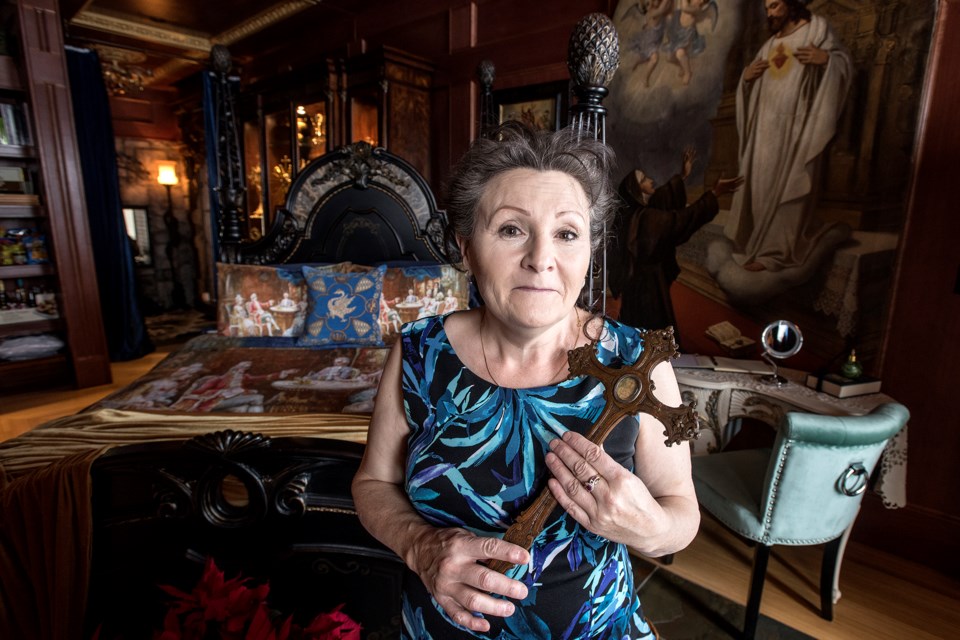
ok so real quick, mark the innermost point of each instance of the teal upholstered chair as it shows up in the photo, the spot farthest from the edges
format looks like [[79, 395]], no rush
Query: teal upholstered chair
[[805, 491]]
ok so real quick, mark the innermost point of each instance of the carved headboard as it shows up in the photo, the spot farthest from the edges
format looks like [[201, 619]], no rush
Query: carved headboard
[[356, 203]]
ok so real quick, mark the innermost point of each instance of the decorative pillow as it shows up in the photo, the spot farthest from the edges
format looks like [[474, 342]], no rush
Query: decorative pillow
[[343, 308], [418, 291], [263, 301]]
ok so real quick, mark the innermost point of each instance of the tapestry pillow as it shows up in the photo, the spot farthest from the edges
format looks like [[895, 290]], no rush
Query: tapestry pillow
[[416, 291], [263, 301], [342, 308]]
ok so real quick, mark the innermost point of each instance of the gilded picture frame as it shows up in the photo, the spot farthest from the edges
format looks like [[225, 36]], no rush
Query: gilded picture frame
[[542, 106]]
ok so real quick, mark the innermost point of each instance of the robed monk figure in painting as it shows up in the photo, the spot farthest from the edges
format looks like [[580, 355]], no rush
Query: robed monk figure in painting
[[651, 224]]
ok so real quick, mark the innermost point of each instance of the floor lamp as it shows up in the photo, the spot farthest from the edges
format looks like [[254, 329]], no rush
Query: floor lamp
[[167, 176]]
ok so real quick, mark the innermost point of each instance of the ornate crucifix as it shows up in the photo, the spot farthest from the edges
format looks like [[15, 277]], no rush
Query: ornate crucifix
[[628, 391]]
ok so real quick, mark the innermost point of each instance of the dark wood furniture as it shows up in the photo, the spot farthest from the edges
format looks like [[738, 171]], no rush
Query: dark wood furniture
[[37, 77], [381, 97], [276, 509]]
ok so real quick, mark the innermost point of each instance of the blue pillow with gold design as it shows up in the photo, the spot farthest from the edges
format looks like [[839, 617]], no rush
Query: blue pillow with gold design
[[343, 308]]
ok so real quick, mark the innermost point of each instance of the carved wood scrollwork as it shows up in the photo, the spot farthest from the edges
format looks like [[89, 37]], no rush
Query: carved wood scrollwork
[[360, 164], [229, 441], [230, 493], [290, 499], [284, 234], [172, 496]]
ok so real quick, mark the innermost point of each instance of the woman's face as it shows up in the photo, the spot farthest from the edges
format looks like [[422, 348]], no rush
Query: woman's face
[[530, 249]]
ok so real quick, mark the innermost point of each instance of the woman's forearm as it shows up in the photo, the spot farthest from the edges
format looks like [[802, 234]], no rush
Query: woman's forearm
[[681, 521], [386, 512]]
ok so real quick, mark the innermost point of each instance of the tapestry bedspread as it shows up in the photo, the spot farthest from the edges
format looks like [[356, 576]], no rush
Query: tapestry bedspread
[[219, 374]]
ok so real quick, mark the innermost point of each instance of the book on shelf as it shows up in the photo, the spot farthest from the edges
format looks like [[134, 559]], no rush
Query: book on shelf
[[14, 180], [840, 387], [29, 314], [14, 126], [23, 199]]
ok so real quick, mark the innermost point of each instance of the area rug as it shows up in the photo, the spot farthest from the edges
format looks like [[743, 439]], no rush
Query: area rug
[[174, 327], [681, 610]]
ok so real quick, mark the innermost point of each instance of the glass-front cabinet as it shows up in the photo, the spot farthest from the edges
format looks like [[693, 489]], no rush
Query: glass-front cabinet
[[279, 139], [382, 98]]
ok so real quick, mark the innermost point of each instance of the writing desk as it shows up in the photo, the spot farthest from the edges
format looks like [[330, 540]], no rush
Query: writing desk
[[721, 398]]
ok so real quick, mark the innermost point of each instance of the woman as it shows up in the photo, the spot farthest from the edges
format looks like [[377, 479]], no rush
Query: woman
[[474, 416]]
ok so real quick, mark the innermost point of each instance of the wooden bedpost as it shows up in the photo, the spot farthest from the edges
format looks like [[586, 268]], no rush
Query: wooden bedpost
[[593, 56], [231, 186], [488, 119]]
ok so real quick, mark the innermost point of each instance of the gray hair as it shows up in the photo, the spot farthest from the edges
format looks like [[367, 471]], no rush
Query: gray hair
[[516, 146]]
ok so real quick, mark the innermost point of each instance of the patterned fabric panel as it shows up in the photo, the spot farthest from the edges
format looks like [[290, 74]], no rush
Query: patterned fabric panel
[[343, 308], [263, 301], [419, 291]]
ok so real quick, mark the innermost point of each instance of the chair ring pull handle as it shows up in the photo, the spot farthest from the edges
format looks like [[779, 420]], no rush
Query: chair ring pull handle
[[858, 474]]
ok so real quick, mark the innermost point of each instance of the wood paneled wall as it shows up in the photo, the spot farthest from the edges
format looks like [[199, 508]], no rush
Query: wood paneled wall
[[921, 365]]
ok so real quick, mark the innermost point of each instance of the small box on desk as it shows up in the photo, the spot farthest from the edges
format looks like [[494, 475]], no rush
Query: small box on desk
[[840, 387]]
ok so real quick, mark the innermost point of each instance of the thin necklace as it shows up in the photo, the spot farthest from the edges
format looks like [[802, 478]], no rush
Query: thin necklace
[[483, 351]]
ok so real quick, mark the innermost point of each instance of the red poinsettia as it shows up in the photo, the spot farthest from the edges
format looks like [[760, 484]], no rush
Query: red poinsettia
[[231, 610]]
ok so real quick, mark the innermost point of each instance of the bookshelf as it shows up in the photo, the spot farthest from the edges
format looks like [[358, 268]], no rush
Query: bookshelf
[[47, 212]]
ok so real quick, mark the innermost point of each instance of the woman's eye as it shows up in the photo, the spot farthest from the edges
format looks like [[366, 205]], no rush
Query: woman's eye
[[568, 235], [509, 231]]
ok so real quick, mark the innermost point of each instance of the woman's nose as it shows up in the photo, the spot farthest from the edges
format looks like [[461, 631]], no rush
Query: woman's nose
[[539, 255]]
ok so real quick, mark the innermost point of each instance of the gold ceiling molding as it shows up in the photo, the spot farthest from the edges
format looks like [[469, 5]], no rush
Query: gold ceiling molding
[[123, 56], [277, 13], [130, 28], [116, 25], [172, 69]]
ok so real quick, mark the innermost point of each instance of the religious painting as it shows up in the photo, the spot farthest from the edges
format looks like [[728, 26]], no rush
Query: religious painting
[[813, 103], [541, 106]]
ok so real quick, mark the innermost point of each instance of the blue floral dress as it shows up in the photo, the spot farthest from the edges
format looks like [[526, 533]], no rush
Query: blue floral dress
[[476, 459]]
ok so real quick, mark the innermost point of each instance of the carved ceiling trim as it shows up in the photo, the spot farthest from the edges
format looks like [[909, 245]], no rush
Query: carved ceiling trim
[[129, 28], [277, 13], [191, 41]]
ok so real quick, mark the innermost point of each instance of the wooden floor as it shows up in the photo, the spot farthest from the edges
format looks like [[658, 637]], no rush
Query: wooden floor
[[22, 412], [883, 596]]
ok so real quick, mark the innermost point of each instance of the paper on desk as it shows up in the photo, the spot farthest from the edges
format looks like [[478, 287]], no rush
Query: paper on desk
[[741, 366], [694, 361]]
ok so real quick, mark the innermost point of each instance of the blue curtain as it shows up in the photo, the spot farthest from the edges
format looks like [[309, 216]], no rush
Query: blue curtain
[[123, 320]]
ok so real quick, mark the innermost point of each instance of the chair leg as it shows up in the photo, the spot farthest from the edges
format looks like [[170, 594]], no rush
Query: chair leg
[[831, 554], [760, 558]]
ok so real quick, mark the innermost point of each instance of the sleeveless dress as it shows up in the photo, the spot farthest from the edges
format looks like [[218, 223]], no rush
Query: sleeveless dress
[[476, 458]]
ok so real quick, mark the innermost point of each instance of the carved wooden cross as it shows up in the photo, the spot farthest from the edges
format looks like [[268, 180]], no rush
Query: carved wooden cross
[[628, 391]]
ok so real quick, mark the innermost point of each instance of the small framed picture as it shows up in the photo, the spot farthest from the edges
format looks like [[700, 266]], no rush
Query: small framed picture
[[541, 106]]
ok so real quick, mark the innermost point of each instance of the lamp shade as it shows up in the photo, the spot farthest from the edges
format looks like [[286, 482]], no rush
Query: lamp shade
[[167, 173]]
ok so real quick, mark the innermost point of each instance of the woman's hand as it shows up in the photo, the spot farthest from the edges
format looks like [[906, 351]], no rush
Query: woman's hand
[[616, 505], [449, 563]]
